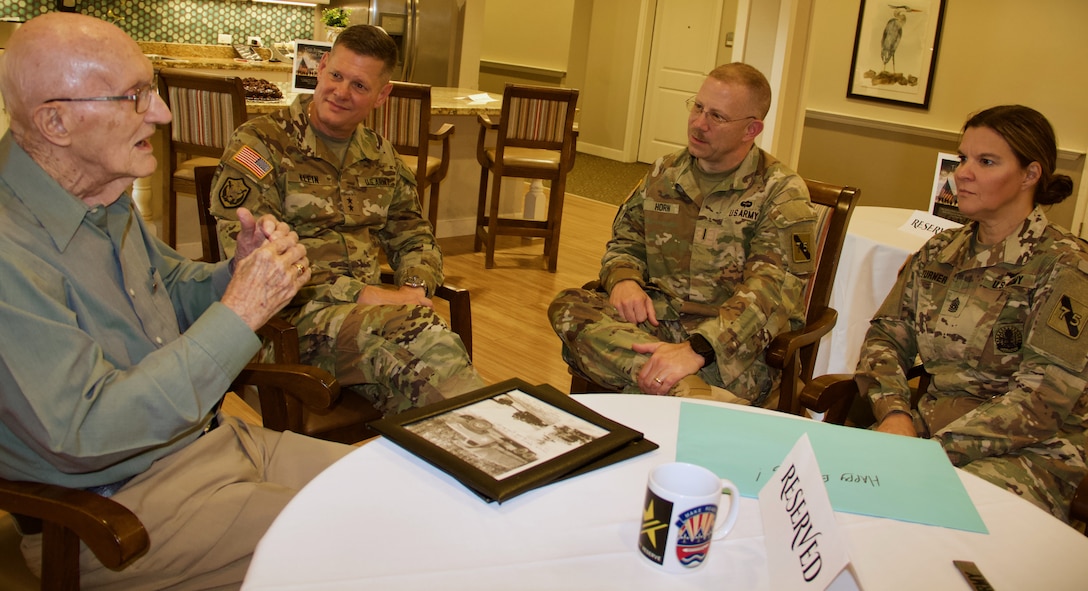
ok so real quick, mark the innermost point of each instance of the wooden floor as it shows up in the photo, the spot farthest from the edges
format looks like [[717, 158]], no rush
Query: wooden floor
[[510, 330]]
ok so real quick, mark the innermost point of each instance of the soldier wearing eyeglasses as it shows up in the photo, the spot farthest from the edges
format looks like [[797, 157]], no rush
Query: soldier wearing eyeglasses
[[708, 261], [115, 351]]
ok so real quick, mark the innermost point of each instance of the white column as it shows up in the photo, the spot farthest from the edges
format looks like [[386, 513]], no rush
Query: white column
[[141, 194], [536, 201]]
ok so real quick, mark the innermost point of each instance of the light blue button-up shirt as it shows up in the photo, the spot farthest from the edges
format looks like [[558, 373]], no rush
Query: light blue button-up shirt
[[114, 349]]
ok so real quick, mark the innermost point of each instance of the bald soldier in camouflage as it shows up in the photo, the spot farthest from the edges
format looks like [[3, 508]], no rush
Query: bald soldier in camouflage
[[996, 312], [343, 189], [708, 261]]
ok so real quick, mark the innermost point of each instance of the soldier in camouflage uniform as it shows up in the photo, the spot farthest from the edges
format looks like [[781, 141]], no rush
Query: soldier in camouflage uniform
[[343, 189], [995, 311], [707, 263]]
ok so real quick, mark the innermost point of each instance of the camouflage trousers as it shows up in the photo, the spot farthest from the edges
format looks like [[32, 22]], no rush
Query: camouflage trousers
[[1018, 475], [597, 342], [397, 357]]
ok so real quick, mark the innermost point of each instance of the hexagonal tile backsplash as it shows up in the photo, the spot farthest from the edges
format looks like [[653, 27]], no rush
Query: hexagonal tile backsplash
[[186, 21]]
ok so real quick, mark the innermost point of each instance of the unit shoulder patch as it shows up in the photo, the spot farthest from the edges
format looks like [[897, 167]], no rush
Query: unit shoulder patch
[[234, 192]]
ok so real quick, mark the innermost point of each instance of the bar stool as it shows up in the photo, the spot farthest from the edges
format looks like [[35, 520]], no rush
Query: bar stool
[[206, 110], [405, 121], [535, 139]]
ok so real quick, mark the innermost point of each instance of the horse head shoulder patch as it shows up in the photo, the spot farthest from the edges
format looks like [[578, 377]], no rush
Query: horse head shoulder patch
[[234, 192]]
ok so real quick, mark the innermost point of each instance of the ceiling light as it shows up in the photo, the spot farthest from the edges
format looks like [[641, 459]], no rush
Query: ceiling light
[[291, 2]]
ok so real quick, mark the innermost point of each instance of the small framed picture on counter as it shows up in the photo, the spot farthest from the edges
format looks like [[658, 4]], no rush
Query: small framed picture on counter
[[308, 54]]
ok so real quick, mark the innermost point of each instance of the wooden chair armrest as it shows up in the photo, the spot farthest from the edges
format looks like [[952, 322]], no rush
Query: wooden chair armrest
[[460, 312], [485, 122], [831, 394], [481, 140], [1078, 509], [110, 530], [785, 346], [310, 385], [443, 133], [284, 338]]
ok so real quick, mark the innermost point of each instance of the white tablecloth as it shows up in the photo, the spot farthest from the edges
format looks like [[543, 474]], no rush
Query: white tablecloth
[[383, 519], [872, 253]]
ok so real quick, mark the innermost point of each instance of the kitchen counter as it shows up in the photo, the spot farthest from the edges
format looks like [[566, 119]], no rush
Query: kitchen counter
[[452, 101], [207, 57]]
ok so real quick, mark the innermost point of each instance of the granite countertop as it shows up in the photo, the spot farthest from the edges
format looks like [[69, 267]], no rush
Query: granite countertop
[[213, 57], [453, 101]]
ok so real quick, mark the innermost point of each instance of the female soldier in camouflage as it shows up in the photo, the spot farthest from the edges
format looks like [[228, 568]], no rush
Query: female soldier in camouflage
[[994, 310]]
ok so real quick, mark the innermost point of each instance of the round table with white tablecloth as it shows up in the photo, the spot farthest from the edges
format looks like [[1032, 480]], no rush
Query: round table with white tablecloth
[[382, 518]]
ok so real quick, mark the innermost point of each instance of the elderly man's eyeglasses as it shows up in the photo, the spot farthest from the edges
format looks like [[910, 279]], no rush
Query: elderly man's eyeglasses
[[696, 108], [141, 98]]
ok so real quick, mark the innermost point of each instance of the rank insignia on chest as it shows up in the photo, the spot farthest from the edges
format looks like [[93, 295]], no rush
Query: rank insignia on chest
[[1067, 316], [234, 193], [802, 247], [954, 305]]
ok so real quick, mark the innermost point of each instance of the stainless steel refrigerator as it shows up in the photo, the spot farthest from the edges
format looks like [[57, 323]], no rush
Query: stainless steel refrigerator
[[427, 32]]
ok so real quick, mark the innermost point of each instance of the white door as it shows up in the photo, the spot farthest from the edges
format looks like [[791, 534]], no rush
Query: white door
[[683, 51]]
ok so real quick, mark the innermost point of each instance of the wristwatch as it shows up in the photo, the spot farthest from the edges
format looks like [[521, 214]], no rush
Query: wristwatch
[[700, 345], [415, 281]]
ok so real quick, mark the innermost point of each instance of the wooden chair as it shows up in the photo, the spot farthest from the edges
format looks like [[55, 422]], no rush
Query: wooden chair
[[206, 110], [347, 419], [66, 517], [794, 352], [405, 121], [535, 139]]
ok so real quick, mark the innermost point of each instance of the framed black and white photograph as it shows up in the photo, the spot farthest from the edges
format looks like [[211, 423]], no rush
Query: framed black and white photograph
[[895, 51], [512, 437], [308, 54]]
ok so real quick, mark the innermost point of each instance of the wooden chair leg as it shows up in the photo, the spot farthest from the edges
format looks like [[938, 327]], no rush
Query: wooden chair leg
[[493, 223], [555, 217], [481, 206], [432, 207], [169, 217]]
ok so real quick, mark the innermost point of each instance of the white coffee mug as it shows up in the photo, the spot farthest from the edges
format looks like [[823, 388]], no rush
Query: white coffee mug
[[680, 516]]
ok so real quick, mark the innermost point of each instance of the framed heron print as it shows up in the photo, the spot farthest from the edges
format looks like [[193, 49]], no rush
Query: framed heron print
[[895, 51]]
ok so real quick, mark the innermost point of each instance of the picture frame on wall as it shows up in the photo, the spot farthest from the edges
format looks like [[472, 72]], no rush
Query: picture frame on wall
[[895, 52]]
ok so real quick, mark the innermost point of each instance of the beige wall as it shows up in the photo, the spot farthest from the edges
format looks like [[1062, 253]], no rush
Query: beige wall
[[528, 33], [991, 52]]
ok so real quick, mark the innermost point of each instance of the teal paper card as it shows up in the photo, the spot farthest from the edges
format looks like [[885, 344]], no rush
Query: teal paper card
[[866, 472]]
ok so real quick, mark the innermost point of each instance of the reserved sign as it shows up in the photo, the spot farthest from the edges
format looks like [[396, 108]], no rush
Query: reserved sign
[[805, 549]]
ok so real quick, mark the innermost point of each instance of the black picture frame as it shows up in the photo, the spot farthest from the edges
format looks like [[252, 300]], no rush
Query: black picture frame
[[512, 437], [911, 55]]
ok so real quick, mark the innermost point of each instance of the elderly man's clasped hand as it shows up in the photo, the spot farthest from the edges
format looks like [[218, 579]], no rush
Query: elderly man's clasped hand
[[270, 267]]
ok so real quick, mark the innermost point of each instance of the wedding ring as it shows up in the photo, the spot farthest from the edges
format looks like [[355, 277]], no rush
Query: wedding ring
[[301, 269], [658, 380]]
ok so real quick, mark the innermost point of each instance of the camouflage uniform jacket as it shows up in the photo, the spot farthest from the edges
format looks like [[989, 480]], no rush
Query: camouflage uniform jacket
[[343, 214], [1002, 335], [733, 269]]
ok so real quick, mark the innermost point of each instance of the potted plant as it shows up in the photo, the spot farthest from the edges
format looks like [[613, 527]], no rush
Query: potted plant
[[335, 20]]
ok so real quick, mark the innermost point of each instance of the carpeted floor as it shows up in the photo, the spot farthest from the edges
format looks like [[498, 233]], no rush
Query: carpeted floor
[[602, 179]]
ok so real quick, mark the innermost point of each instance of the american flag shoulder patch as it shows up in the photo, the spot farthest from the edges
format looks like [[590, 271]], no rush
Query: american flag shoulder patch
[[252, 161]]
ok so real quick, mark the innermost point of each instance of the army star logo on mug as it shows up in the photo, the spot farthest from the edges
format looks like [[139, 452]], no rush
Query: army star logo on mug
[[680, 517]]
